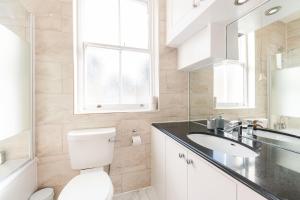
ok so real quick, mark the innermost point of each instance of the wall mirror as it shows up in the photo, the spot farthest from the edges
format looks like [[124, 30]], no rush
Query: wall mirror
[[261, 77], [267, 41]]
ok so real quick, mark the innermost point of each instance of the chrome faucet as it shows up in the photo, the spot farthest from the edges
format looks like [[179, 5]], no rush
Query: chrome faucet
[[234, 126], [2, 157]]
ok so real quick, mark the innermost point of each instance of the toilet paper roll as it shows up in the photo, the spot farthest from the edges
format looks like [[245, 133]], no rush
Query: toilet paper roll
[[136, 140]]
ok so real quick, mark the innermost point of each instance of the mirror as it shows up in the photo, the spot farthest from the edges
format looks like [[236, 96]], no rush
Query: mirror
[[15, 86], [261, 77]]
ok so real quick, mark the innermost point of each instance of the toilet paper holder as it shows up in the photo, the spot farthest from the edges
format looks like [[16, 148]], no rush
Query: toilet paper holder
[[113, 140], [136, 138]]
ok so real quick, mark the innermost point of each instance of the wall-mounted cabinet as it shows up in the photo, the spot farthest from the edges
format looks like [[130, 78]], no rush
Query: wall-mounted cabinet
[[180, 15], [204, 48], [179, 174], [197, 29]]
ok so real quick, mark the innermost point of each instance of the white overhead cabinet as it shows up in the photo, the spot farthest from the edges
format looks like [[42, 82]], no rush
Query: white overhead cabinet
[[203, 49], [180, 15], [198, 29], [179, 174]]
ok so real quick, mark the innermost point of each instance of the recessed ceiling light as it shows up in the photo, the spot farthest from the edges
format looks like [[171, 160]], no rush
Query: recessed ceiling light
[[240, 2], [273, 10]]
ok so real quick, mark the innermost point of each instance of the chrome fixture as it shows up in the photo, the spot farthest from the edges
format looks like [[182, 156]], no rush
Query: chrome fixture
[[234, 126], [196, 3], [181, 155], [189, 161], [240, 2], [2, 157], [273, 10]]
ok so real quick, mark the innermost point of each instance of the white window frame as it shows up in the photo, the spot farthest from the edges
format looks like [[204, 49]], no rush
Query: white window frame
[[233, 105], [246, 77], [79, 65]]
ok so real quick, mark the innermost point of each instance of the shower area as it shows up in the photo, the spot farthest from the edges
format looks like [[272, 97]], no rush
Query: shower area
[[16, 89], [284, 75]]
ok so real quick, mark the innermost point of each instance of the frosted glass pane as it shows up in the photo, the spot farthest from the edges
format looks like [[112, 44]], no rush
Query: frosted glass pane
[[135, 77], [15, 84], [134, 23], [285, 92], [102, 76], [100, 21]]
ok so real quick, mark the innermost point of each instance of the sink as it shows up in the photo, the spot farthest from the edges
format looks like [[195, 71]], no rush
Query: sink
[[222, 145], [276, 136]]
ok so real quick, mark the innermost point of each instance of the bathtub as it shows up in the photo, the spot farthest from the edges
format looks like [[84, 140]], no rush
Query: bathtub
[[20, 184]]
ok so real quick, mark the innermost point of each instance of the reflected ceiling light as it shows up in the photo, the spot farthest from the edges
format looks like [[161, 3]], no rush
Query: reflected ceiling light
[[240, 2], [273, 10]]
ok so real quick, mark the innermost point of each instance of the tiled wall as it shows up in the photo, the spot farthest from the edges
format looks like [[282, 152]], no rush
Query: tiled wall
[[268, 41], [54, 103]]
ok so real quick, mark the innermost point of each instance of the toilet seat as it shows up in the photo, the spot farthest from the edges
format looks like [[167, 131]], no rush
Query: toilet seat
[[95, 185]]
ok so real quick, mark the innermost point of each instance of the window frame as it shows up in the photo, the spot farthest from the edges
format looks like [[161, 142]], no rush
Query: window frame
[[233, 105], [79, 64], [246, 82]]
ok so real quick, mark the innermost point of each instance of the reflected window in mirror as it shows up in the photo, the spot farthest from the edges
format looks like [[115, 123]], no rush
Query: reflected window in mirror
[[234, 80]]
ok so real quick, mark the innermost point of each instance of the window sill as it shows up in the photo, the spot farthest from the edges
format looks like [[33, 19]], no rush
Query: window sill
[[86, 112], [235, 108]]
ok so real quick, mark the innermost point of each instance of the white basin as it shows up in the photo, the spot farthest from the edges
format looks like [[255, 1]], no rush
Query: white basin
[[275, 136], [222, 145]]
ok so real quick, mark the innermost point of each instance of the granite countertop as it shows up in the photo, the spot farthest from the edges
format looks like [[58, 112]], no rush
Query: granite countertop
[[274, 173]]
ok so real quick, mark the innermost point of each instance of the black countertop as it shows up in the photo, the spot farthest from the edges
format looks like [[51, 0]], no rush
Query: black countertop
[[274, 173]]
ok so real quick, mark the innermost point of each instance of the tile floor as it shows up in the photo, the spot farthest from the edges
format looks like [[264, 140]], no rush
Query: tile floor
[[141, 194]]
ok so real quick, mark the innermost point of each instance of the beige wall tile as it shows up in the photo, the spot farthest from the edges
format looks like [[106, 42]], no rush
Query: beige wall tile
[[49, 140], [54, 103], [135, 180]]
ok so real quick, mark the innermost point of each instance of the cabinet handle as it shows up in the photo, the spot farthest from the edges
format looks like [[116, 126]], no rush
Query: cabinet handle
[[196, 3], [189, 161], [181, 155]]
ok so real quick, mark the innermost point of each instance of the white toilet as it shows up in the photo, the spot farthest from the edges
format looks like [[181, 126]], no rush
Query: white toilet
[[90, 150]]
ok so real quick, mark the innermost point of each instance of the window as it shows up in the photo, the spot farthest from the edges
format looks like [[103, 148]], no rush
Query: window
[[115, 65], [234, 81]]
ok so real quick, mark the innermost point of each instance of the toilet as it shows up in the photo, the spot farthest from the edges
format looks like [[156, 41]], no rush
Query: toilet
[[90, 150]]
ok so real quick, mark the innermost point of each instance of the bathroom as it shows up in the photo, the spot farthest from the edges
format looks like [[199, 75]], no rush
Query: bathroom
[[150, 99]]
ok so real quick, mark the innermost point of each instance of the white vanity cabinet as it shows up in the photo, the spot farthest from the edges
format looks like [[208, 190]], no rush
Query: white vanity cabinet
[[206, 182], [179, 174], [245, 193], [176, 171], [158, 162]]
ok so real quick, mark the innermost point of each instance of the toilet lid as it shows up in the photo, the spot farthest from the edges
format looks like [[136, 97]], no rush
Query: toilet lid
[[88, 186]]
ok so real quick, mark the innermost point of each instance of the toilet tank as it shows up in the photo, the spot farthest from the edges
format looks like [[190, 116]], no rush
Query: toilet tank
[[91, 148]]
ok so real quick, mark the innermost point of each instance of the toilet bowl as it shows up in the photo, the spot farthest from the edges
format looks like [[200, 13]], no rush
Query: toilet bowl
[[88, 186], [90, 150]]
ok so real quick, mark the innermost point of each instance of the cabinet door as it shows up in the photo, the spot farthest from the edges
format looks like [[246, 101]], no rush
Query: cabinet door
[[158, 146], [206, 183], [180, 9], [245, 193], [176, 171]]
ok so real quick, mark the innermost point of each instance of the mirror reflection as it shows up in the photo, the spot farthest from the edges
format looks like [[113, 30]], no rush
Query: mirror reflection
[[259, 81]]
